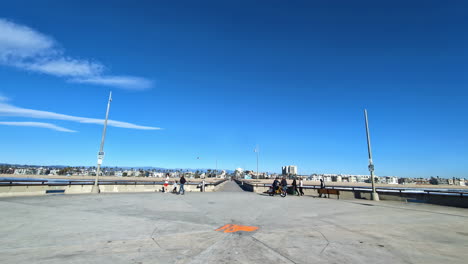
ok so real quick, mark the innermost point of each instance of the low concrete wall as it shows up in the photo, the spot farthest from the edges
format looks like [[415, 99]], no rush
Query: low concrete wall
[[6, 191], [432, 198], [32, 190]]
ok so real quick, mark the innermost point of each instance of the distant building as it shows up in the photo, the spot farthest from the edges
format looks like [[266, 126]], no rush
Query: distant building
[[421, 181], [222, 175], [391, 180], [327, 178], [273, 176], [239, 173], [158, 174], [289, 170], [248, 174], [315, 177], [337, 178], [462, 182]]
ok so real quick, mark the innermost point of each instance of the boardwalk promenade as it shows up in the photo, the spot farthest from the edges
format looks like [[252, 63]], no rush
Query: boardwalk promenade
[[167, 228]]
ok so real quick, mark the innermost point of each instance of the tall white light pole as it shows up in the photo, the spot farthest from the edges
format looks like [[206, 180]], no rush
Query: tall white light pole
[[101, 149], [257, 150], [375, 195]]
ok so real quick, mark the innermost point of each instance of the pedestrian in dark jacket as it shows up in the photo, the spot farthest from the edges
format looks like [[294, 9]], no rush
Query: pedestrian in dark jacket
[[284, 184], [275, 184], [294, 186], [182, 182], [322, 187]]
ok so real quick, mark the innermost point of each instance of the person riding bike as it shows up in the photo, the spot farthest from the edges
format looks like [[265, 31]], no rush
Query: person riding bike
[[275, 184], [284, 184]]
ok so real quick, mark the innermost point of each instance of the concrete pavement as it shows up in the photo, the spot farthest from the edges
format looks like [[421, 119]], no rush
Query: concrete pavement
[[168, 228]]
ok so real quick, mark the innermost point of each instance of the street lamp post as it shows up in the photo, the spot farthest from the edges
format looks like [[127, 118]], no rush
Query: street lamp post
[[375, 195], [257, 150], [95, 188]]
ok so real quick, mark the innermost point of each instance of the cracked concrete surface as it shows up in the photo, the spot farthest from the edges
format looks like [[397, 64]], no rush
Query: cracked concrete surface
[[168, 228]]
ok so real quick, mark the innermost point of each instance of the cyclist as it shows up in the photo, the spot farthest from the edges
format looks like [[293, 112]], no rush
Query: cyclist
[[284, 184], [275, 184]]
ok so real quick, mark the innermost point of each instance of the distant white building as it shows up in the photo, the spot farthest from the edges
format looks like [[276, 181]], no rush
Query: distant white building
[[222, 175], [239, 172], [289, 170], [391, 180], [20, 171], [315, 177], [362, 178], [158, 174], [189, 174], [327, 178]]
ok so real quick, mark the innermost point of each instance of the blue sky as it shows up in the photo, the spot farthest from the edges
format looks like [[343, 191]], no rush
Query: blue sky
[[220, 77]]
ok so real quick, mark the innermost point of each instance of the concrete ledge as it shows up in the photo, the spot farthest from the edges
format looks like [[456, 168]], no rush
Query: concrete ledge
[[32, 190], [431, 198]]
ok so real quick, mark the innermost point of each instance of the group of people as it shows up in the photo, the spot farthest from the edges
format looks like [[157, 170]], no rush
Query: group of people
[[300, 192], [174, 189], [284, 185]]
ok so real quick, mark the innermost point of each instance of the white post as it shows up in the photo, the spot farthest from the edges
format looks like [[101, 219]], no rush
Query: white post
[[95, 188], [256, 150], [375, 195]]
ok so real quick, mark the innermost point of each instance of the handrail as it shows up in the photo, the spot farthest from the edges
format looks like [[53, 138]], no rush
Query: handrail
[[61, 182], [32, 180], [369, 189]]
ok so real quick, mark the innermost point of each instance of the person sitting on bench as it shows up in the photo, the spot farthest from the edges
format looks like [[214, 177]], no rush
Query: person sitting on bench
[[175, 187]]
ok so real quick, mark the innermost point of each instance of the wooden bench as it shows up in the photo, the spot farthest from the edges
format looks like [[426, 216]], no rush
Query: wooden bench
[[329, 191]]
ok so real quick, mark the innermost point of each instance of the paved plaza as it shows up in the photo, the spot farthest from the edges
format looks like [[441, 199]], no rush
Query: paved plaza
[[169, 228]]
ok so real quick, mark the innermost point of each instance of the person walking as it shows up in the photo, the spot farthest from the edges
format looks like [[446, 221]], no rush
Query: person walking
[[294, 187], [301, 184], [182, 182], [322, 187], [166, 183]]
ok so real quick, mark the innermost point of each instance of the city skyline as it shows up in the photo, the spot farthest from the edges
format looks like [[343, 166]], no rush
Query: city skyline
[[201, 85]]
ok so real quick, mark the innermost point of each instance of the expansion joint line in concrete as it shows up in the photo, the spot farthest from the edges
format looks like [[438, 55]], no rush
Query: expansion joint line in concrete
[[272, 249], [328, 242], [152, 237]]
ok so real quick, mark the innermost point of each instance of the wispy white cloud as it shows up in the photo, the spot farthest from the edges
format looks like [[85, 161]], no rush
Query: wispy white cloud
[[118, 81], [11, 110], [25, 48], [23, 42], [3, 98], [37, 124], [63, 67]]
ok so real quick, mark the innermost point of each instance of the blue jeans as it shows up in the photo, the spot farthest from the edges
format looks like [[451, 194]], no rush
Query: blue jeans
[[181, 189]]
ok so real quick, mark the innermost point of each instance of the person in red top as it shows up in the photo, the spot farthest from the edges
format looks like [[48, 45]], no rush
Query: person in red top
[[166, 183]]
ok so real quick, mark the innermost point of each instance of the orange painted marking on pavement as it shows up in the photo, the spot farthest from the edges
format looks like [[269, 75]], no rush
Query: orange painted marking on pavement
[[230, 228]]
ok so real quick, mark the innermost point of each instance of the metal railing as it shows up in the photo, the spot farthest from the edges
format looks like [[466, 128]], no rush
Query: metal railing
[[378, 189], [59, 182]]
